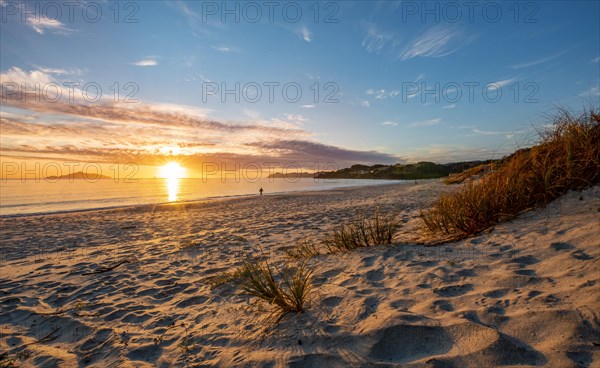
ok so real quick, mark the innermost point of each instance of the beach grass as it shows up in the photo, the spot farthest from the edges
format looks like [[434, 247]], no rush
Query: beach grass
[[361, 232], [381, 228], [286, 288], [567, 157]]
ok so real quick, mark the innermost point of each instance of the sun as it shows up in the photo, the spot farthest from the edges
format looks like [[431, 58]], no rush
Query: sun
[[172, 170]]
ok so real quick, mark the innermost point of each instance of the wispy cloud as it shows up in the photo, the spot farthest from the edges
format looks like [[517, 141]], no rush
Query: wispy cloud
[[451, 106], [227, 49], [596, 59], [308, 106], [57, 71], [292, 149], [389, 123], [306, 34], [592, 92], [538, 61], [502, 83], [438, 41], [376, 39], [146, 62], [110, 131], [426, 123], [382, 94], [488, 132], [43, 25]]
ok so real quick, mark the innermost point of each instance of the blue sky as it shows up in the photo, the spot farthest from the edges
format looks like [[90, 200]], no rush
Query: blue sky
[[399, 77]]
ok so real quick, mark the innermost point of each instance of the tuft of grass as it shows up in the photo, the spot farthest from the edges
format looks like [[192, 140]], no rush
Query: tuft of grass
[[381, 228], [566, 158], [304, 249], [288, 288]]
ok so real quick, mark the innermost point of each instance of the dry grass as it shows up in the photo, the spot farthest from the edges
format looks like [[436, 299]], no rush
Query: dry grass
[[567, 158], [304, 249], [381, 228], [467, 174], [363, 232], [288, 289]]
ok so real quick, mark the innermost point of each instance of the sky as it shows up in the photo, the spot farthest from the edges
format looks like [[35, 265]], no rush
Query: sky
[[314, 85]]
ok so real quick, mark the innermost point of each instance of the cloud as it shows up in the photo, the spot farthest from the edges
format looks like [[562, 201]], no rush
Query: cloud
[[436, 42], [451, 106], [18, 75], [424, 123], [226, 49], [537, 62], [308, 106], [389, 123], [56, 71], [595, 60], [146, 62], [296, 118], [306, 34], [110, 131], [381, 94], [376, 39], [290, 149], [365, 103], [592, 92], [196, 20], [488, 132], [43, 25], [501, 83]]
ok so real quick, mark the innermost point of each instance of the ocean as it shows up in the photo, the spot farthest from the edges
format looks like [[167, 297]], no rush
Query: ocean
[[29, 197]]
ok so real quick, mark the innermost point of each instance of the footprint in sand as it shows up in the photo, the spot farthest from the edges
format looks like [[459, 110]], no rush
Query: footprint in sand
[[525, 260], [148, 353], [525, 272], [495, 310], [453, 290], [317, 360], [195, 300], [443, 305], [498, 293], [375, 275], [467, 272], [406, 343], [581, 255], [558, 246], [582, 358], [369, 305], [402, 304], [332, 301]]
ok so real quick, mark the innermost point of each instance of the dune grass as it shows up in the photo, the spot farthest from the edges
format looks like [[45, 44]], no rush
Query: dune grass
[[380, 228], [566, 158], [467, 174], [288, 288]]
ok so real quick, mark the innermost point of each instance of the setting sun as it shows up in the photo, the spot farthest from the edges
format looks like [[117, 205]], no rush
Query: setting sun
[[172, 170]]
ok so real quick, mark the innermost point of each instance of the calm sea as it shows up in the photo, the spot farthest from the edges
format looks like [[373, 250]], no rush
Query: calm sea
[[30, 197]]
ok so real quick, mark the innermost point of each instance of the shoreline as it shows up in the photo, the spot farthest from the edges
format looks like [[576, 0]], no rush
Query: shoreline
[[68, 228], [212, 198]]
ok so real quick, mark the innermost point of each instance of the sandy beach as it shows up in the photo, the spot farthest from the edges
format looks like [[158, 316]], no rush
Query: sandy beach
[[131, 287]]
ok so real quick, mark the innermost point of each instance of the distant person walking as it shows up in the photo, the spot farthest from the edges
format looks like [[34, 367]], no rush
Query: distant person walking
[[260, 191]]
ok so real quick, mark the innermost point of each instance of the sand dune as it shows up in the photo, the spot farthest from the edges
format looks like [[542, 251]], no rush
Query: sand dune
[[129, 287]]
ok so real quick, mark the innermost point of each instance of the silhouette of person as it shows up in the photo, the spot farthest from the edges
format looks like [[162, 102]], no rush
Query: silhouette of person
[[260, 191]]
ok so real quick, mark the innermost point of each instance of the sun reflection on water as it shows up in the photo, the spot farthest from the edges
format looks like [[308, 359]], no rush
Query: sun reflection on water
[[172, 188]]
